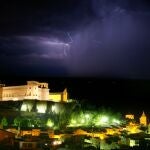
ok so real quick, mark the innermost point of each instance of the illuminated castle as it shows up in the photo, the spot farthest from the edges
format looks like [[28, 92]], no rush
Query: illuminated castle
[[32, 91], [143, 119]]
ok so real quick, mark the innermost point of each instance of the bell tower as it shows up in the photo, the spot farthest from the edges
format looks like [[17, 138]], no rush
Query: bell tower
[[143, 119]]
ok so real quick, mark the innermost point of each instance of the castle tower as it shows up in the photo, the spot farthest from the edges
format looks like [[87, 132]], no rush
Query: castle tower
[[65, 95], [143, 119]]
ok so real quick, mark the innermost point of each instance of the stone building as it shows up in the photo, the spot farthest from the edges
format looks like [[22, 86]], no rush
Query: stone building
[[143, 119], [33, 90]]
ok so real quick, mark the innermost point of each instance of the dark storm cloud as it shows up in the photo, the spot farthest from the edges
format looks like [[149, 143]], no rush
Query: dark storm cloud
[[33, 48], [115, 43], [35, 55], [108, 38]]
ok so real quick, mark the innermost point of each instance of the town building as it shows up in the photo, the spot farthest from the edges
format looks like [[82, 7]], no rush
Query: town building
[[143, 119], [7, 138], [129, 116]]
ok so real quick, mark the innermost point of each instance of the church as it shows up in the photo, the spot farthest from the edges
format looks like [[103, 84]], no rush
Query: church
[[33, 90]]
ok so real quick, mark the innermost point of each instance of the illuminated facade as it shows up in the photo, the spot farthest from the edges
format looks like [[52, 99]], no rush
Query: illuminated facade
[[129, 116], [56, 97], [143, 119], [32, 91]]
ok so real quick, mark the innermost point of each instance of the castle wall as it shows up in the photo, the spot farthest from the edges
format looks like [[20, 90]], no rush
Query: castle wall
[[56, 97], [33, 90], [1, 92], [14, 92], [59, 96], [43, 94]]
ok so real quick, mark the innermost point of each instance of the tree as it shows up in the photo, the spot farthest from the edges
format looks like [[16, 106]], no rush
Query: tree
[[50, 123], [17, 121], [4, 122], [37, 122]]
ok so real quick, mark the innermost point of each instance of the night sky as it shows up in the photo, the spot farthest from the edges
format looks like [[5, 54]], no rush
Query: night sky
[[104, 39]]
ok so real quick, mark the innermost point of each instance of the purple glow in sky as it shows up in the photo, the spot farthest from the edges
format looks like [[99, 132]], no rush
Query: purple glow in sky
[[76, 38]]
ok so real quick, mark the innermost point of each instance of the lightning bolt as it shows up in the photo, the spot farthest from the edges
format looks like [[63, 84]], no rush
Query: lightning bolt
[[69, 36]]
